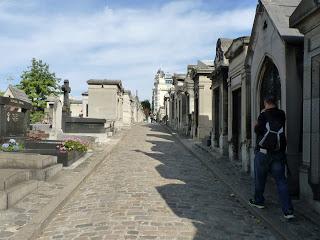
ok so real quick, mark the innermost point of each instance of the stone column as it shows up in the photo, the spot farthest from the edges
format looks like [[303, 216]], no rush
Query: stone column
[[312, 125], [230, 114], [245, 121], [223, 119]]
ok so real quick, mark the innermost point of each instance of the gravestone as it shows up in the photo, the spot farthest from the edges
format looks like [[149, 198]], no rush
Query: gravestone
[[14, 118]]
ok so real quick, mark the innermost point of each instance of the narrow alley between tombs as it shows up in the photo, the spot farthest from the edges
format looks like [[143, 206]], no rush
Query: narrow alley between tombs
[[151, 187]]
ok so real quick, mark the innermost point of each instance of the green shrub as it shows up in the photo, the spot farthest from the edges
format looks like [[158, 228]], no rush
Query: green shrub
[[75, 145], [37, 116]]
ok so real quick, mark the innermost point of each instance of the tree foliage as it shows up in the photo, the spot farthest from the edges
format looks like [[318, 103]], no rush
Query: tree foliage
[[146, 107], [38, 83], [1, 93]]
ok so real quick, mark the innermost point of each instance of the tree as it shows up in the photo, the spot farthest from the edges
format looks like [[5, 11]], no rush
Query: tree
[[1, 93], [38, 83], [146, 107]]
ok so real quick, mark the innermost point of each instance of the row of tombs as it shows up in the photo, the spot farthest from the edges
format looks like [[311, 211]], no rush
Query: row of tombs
[[31, 153], [217, 102]]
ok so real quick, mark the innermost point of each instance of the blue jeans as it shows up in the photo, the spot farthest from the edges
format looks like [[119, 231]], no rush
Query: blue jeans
[[275, 164]]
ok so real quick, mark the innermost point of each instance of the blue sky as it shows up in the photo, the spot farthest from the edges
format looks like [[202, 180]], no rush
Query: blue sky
[[115, 39]]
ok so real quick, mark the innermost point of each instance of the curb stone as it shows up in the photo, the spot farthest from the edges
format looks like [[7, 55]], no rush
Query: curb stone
[[32, 229]]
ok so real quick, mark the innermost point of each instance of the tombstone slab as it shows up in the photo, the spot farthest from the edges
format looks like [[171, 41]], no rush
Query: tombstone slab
[[14, 118]]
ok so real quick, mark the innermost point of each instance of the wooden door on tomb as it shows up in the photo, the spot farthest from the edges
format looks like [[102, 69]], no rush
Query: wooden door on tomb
[[314, 177], [196, 115], [236, 123], [217, 115]]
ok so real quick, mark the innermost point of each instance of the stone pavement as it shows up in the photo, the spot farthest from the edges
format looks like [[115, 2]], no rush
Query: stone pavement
[[306, 225], [26, 217], [152, 188]]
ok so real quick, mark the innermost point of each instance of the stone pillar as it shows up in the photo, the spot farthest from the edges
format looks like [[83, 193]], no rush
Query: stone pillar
[[245, 121], [312, 125], [223, 140], [230, 114], [216, 115]]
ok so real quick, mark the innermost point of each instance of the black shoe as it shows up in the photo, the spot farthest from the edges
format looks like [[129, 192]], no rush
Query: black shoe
[[288, 215], [255, 204]]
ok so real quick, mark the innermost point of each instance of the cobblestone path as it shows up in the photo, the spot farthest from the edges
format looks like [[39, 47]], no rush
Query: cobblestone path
[[152, 188]]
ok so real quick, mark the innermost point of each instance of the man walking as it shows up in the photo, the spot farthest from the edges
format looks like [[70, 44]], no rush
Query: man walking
[[270, 155]]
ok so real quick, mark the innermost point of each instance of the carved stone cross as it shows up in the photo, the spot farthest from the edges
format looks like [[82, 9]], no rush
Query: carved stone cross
[[66, 90]]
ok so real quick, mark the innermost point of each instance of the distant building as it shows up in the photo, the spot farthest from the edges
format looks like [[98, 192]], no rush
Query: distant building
[[85, 104], [106, 100], [14, 92], [76, 108], [162, 84]]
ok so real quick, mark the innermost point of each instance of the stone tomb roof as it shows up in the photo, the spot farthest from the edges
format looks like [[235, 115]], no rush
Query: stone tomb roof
[[305, 8], [237, 46], [222, 46], [105, 82], [279, 12], [204, 67], [18, 94]]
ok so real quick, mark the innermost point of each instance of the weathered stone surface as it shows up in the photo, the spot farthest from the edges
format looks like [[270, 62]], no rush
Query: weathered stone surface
[[3, 200], [10, 177], [16, 193], [26, 160], [46, 173]]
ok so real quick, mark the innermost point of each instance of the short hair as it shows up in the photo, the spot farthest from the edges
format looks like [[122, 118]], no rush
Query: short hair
[[271, 99]]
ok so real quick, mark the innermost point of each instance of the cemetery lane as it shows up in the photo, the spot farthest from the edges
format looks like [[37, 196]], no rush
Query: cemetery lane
[[152, 188]]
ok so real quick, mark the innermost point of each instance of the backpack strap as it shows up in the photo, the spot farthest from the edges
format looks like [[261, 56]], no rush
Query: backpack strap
[[266, 134]]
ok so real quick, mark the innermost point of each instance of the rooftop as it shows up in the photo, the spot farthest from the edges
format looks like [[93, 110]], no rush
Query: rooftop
[[19, 94], [104, 82], [305, 8], [280, 12]]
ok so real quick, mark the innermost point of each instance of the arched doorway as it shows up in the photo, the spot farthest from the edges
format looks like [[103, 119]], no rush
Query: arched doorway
[[270, 82]]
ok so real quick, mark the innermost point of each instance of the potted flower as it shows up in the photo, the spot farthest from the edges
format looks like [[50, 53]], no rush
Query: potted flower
[[71, 150], [11, 146]]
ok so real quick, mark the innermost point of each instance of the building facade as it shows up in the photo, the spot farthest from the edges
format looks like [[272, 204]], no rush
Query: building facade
[[180, 109], [85, 104], [127, 109], [162, 84], [202, 122], [219, 95], [239, 122], [307, 19], [275, 64], [106, 101]]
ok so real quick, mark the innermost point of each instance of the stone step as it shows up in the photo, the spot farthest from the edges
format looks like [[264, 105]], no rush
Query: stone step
[[11, 177], [46, 173], [14, 194], [26, 160]]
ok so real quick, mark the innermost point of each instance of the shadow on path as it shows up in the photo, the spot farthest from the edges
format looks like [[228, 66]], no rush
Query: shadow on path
[[201, 197]]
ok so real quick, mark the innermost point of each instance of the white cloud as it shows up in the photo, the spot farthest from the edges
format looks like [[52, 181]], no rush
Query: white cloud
[[127, 44]]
